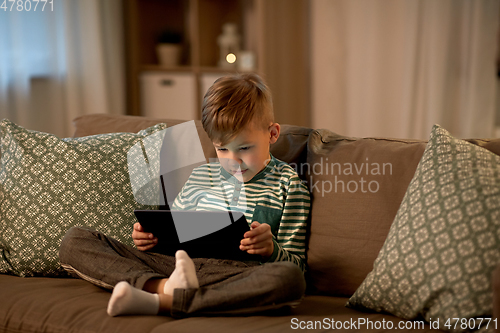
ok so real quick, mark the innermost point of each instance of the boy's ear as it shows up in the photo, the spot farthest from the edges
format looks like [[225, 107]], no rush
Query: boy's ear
[[274, 131]]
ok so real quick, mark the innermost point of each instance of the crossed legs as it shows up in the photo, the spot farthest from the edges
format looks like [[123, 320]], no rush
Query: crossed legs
[[180, 286]]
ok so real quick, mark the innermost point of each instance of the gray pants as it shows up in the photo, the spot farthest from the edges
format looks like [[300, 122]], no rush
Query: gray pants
[[226, 286]]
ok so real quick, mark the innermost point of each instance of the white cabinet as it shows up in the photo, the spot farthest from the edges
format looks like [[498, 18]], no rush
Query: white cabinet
[[169, 95]]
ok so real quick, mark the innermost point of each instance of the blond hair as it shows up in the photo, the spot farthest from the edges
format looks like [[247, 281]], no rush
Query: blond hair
[[232, 103]]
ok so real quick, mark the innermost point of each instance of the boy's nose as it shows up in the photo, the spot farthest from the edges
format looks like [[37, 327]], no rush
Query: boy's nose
[[235, 160]]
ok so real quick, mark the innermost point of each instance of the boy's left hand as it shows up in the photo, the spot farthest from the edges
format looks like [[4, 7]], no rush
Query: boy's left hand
[[259, 240]]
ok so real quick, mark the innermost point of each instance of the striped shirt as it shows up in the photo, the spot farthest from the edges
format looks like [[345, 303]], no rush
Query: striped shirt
[[275, 196]]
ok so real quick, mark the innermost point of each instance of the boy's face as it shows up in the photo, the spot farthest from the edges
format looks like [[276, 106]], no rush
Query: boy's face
[[248, 153]]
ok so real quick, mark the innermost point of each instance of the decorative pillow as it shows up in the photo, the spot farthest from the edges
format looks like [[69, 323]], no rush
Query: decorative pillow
[[48, 185], [444, 243]]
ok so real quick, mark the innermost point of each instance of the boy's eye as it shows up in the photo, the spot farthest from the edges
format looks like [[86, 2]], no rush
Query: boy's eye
[[225, 149]]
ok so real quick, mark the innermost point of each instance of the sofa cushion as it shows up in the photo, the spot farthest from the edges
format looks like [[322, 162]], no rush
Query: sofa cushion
[[356, 187], [42, 304], [71, 305], [444, 243], [349, 226], [48, 184]]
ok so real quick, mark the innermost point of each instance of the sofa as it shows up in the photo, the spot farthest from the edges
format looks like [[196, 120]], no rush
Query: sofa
[[357, 188]]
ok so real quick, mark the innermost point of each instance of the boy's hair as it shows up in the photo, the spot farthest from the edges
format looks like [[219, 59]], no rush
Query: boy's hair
[[232, 103]]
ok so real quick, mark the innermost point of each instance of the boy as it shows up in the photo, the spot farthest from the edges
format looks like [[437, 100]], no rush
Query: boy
[[238, 117]]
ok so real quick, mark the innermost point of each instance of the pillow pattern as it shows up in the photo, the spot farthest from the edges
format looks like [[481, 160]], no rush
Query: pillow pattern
[[444, 243], [48, 185]]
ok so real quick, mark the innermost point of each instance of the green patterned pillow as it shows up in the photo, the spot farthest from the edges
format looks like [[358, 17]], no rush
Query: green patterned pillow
[[48, 185], [444, 243]]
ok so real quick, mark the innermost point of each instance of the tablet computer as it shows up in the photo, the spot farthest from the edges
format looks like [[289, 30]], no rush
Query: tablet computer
[[202, 234]]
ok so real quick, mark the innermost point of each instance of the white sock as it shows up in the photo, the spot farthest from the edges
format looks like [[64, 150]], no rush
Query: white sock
[[127, 300], [183, 276]]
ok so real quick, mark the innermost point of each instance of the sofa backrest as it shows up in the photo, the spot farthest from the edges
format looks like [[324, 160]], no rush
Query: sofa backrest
[[356, 184], [356, 187], [290, 146]]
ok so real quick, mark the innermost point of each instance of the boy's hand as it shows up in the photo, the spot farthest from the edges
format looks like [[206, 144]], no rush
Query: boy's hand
[[259, 240], [144, 241]]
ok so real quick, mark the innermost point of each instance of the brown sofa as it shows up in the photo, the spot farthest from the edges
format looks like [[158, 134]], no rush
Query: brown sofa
[[350, 219]]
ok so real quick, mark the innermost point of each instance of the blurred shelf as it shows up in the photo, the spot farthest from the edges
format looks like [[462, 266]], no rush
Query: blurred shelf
[[160, 68], [200, 23], [203, 69], [276, 32]]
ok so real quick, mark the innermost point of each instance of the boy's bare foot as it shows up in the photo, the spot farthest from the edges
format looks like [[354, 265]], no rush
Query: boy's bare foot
[[184, 275]]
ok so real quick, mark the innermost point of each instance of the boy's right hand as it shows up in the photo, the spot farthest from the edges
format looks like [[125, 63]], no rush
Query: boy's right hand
[[144, 241]]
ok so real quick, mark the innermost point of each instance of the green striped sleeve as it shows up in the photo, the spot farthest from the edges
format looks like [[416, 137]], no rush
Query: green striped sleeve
[[290, 243]]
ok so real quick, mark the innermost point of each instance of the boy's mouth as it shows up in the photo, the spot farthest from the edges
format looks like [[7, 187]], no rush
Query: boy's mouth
[[238, 171]]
